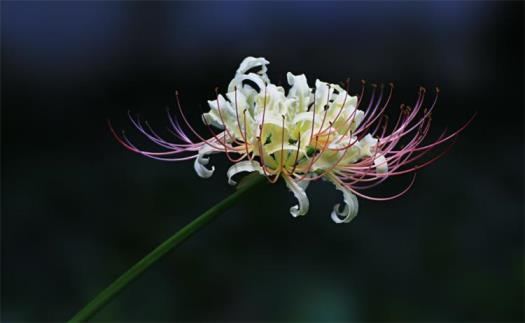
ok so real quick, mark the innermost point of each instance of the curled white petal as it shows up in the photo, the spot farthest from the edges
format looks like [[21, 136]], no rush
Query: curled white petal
[[300, 195], [255, 78], [251, 62], [304, 184], [381, 164], [244, 166], [351, 208], [202, 160]]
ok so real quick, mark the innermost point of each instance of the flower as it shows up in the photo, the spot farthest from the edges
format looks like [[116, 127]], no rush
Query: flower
[[303, 135]]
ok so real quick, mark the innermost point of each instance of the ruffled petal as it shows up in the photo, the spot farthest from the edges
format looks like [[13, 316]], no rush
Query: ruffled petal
[[243, 166], [221, 113], [250, 62], [245, 72], [351, 208], [300, 195], [238, 101], [224, 105], [299, 90], [238, 80], [201, 161]]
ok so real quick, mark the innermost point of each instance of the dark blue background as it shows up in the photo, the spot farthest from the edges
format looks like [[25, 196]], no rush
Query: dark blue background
[[77, 209]]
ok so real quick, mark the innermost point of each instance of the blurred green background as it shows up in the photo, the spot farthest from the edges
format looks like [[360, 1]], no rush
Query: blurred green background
[[78, 209]]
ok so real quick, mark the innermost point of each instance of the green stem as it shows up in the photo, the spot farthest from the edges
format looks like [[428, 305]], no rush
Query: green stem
[[136, 270]]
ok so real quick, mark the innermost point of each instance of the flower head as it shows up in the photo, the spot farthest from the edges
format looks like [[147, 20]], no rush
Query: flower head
[[302, 135]]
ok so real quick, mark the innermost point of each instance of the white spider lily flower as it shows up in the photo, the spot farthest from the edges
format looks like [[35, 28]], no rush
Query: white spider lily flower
[[302, 135]]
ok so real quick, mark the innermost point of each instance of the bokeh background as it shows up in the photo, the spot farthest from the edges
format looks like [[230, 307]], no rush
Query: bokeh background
[[78, 209]]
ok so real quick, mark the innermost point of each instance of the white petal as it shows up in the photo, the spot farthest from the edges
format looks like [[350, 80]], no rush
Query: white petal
[[244, 166], [213, 119], [274, 100], [278, 147], [225, 107], [238, 79], [351, 206], [305, 116], [201, 161], [368, 144], [356, 119], [381, 164], [260, 78], [299, 89], [300, 195], [238, 101], [251, 62], [323, 92], [304, 184]]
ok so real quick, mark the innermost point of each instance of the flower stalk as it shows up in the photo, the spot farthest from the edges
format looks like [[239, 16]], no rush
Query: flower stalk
[[103, 298]]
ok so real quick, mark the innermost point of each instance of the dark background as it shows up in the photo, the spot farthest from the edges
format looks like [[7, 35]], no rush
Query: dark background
[[78, 209]]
